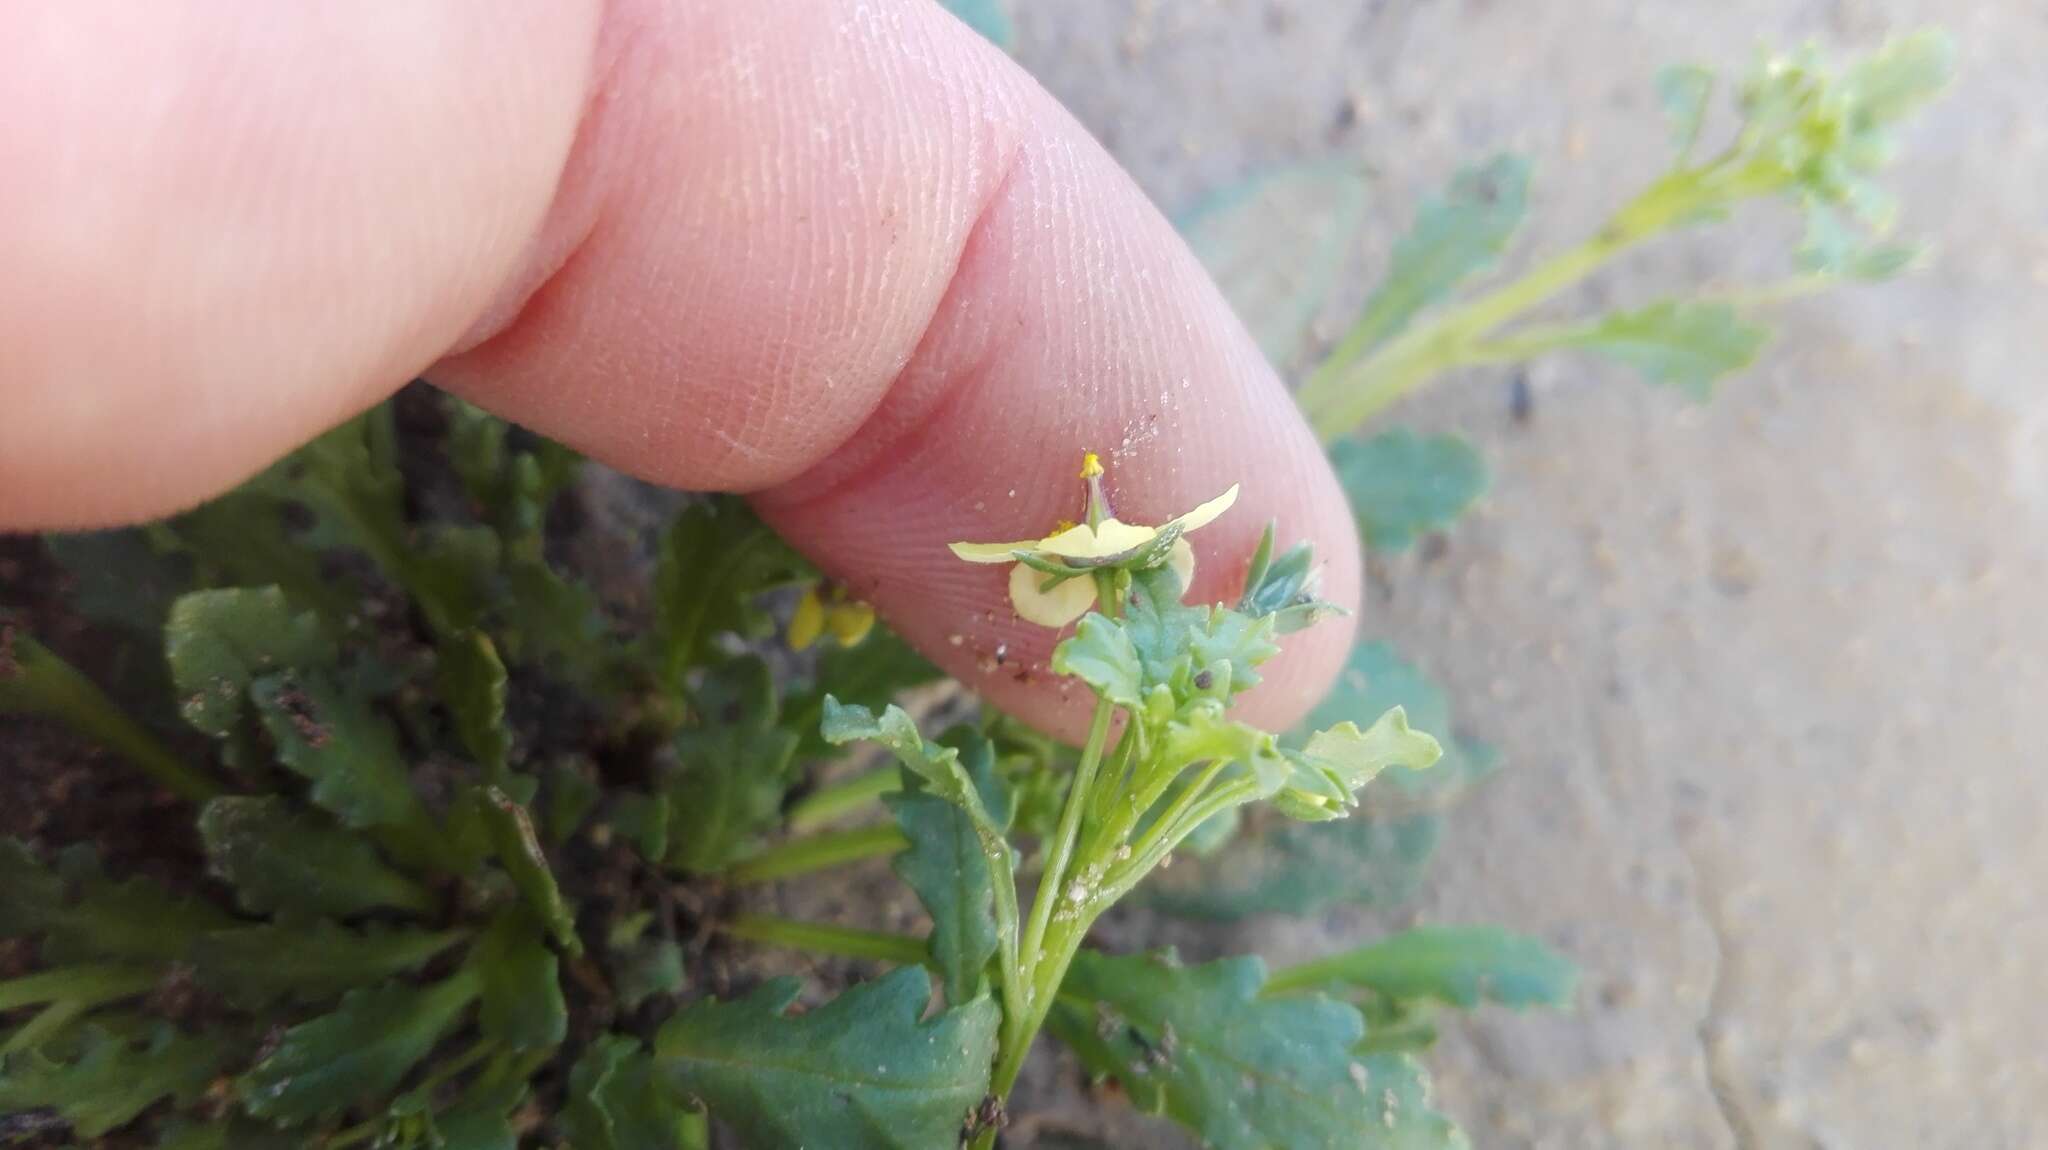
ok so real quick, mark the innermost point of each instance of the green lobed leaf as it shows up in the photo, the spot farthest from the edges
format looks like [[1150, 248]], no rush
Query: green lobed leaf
[[1178, 644], [1901, 77], [1402, 485], [871, 673], [946, 867], [219, 642], [85, 916], [1684, 90], [1456, 235], [647, 968], [938, 767], [308, 962], [1378, 856], [1685, 344], [226, 1134], [519, 852], [716, 559], [1241, 1071], [1336, 763], [471, 681], [571, 795], [732, 768], [1461, 965], [862, 1072], [335, 740], [241, 539], [1285, 588], [1276, 243], [1100, 654], [126, 579], [280, 860], [359, 1052], [482, 1119], [616, 1101], [521, 1004], [113, 1079]]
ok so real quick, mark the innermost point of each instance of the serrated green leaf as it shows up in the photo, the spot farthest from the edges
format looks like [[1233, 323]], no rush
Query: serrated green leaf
[[280, 860], [113, 1080], [716, 559], [871, 674], [482, 1120], [522, 1004], [361, 1051], [345, 749], [1241, 1071], [1455, 236], [1378, 856], [308, 962], [1684, 90], [938, 767], [241, 540], [349, 479], [1461, 965], [452, 572], [616, 1102], [1285, 588], [643, 820], [219, 642], [862, 1072], [947, 869], [1401, 485], [1177, 644], [732, 768], [1275, 245], [85, 916], [1685, 344], [1100, 654], [1901, 77], [471, 680], [519, 852], [988, 17]]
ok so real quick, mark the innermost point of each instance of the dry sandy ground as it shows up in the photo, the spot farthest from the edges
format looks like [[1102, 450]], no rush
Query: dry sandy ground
[[1772, 673]]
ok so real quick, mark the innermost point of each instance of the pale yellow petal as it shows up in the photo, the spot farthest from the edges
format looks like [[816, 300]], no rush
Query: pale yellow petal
[[1182, 560], [1055, 608], [808, 621], [1205, 514], [850, 622], [991, 552], [1110, 537]]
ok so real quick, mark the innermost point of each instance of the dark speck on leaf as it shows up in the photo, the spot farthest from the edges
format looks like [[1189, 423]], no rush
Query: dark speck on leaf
[[1204, 680], [1521, 399], [299, 708]]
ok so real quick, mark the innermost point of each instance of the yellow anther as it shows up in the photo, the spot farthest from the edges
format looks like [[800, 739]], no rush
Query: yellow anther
[[1091, 465]]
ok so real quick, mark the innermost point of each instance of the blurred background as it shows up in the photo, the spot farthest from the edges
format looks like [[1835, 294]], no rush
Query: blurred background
[[1766, 674]]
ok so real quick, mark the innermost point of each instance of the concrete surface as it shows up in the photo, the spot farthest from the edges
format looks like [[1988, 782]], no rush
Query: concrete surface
[[1772, 673]]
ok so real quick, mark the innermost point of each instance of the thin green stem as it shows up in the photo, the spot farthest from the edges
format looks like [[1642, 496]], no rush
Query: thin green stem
[[1062, 853], [1358, 382], [47, 1023], [828, 939], [34, 680], [818, 852], [829, 804]]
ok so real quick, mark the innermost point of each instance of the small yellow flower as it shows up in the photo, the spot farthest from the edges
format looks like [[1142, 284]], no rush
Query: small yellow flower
[[1103, 542], [830, 611]]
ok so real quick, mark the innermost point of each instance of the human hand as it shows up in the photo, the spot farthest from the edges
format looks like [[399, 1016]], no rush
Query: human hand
[[842, 256]]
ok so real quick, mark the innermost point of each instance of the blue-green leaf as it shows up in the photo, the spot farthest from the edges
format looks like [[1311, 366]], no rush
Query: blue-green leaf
[[283, 860], [988, 17], [218, 642], [1241, 1071], [1401, 484], [1687, 345], [360, 1051], [616, 1102], [1456, 236], [946, 867], [1684, 90], [862, 1072]]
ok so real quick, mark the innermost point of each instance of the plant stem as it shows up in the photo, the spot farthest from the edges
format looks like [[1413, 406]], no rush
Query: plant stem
[[89, 985], [826, 938], [1078, 792], [817, 852], [1357, 382], [830, 803], [34, 680]]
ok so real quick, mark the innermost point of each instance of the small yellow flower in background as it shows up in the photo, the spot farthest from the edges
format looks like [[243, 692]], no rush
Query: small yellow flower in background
[[828, 609], [1053, 585]]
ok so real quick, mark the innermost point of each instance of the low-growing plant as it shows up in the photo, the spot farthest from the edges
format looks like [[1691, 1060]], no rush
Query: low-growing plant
[[454, 849]]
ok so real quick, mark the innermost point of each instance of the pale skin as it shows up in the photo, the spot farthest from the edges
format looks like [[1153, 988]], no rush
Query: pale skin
[[839, 255]]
